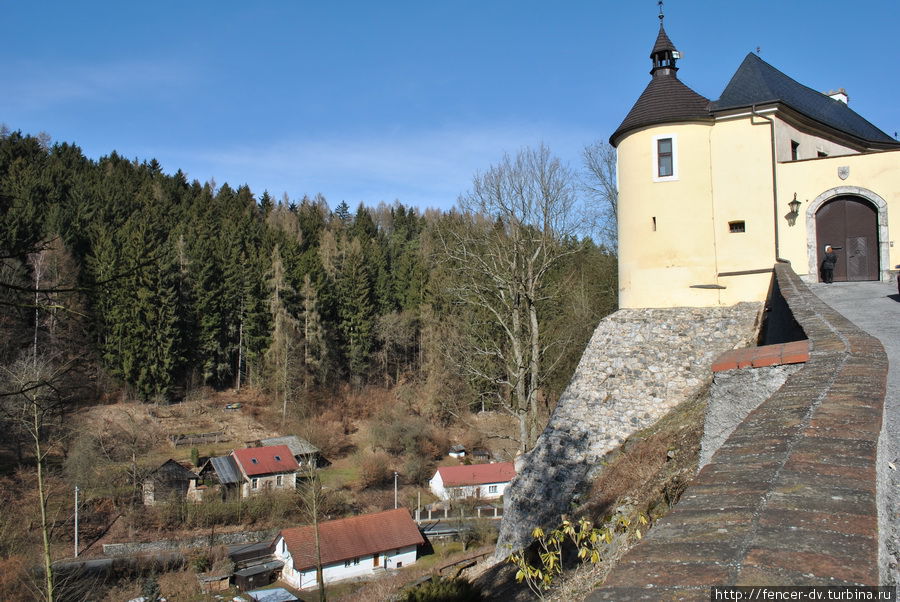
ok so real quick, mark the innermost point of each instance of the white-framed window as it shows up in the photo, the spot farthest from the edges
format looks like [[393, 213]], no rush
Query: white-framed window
[[492, 489], [665, 157], [254, 483], [279, 480]]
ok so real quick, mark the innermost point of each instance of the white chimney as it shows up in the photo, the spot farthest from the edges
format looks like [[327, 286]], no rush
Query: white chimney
[[839, 94]]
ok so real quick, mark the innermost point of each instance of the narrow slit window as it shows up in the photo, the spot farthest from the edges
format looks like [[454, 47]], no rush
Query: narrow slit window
[[795, 150], [736, 227], [654, 224], [664, 157]]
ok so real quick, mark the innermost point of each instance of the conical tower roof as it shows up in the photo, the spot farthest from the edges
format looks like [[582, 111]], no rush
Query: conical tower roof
[[665, 99], [663, 43]]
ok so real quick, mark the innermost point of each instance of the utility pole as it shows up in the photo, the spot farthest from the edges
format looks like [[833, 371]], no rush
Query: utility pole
[[395, 490], [76, 521]]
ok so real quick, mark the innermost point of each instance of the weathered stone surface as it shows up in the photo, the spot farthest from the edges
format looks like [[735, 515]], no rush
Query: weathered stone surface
[[733, 395], [790, 497], [638, 365]]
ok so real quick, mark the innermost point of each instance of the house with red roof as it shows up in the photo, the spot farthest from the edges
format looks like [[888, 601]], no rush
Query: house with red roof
[[350, 547], [485, 481], [253, 470]]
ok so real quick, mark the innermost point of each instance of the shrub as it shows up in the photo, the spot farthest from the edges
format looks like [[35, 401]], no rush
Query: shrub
[[417, 470], [374, 470], [444, 590], [398, 432]]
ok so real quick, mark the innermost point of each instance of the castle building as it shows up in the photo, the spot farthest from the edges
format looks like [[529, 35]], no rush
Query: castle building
[[713, 193]]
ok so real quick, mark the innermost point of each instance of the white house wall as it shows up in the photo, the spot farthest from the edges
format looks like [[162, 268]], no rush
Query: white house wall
[[477, 491], [306, 579]]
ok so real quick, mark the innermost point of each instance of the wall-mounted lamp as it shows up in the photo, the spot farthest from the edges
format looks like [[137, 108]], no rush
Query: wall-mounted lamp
[[794, 206]]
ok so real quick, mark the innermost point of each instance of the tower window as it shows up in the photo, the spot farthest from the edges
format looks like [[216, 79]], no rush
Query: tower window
[[795, 150], [664, 158], [736, 227], [664, 153]]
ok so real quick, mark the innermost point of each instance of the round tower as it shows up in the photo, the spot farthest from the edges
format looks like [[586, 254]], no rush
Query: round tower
[[666, 244]]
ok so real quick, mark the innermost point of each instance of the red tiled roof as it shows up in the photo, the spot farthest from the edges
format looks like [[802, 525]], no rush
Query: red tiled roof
[[477, 474], [266, 460], [352, 537]]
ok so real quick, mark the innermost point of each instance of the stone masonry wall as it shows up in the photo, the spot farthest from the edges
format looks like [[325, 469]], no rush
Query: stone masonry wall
[[790, 497], [638, 365], [202, 541]]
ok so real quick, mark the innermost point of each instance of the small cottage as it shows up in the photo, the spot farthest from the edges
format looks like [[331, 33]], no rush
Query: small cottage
[[350, 547], [484, 481], [457, 451], [253, 470], [171, 481]]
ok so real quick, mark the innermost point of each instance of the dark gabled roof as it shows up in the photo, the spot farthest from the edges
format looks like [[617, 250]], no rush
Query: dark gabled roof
[[757, 82], [664, 100], [173, 471], [226, 469], [663, 43]]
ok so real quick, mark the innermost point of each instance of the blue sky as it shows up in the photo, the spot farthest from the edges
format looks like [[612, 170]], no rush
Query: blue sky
[[376, 101]]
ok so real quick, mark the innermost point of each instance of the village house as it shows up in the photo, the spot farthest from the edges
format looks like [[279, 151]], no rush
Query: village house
[[252, 470], [350, 547], [484, 481], [171, 481]]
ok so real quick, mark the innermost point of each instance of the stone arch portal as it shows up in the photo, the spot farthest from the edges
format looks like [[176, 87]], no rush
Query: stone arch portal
[[868, 243]]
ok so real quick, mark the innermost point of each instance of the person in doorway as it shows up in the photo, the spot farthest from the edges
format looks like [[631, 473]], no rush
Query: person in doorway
[[828, 264]]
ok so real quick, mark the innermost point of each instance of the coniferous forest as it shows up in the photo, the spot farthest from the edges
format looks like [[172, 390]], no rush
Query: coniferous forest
[[159, 285]]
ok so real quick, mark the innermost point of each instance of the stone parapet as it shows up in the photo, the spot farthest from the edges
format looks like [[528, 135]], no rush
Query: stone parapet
[[790, 497]]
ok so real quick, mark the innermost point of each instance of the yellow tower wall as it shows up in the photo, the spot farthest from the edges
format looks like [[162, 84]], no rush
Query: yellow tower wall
[[665, 233]]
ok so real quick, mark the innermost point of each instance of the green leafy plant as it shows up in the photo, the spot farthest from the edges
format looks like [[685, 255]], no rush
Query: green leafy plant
[[586, 538]]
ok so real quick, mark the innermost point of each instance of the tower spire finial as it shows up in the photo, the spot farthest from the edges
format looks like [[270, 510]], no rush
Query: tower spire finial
[[662, 15]]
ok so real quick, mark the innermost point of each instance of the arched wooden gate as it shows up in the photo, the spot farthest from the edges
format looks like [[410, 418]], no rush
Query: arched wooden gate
[[850, 225]]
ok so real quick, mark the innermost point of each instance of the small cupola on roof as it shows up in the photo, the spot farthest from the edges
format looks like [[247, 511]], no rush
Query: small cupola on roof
[[665, 99], [664, 54]]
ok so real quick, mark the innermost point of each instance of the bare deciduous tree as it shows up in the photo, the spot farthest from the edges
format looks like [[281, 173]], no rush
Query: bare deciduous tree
[[33, 395], [599, 181], [515, 228]]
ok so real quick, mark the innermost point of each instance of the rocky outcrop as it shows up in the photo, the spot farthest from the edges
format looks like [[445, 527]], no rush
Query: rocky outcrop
[[638, 365]]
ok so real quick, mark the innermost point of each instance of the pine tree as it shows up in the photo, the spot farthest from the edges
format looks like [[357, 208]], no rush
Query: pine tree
[[356, 311]]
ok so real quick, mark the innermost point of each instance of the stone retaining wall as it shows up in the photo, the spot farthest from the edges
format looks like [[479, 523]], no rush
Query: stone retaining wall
[[218, 539], [790, 498], [638, 365]]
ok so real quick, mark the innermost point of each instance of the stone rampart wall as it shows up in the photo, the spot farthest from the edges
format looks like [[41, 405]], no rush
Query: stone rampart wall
[[790, 497], [638, 365]]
